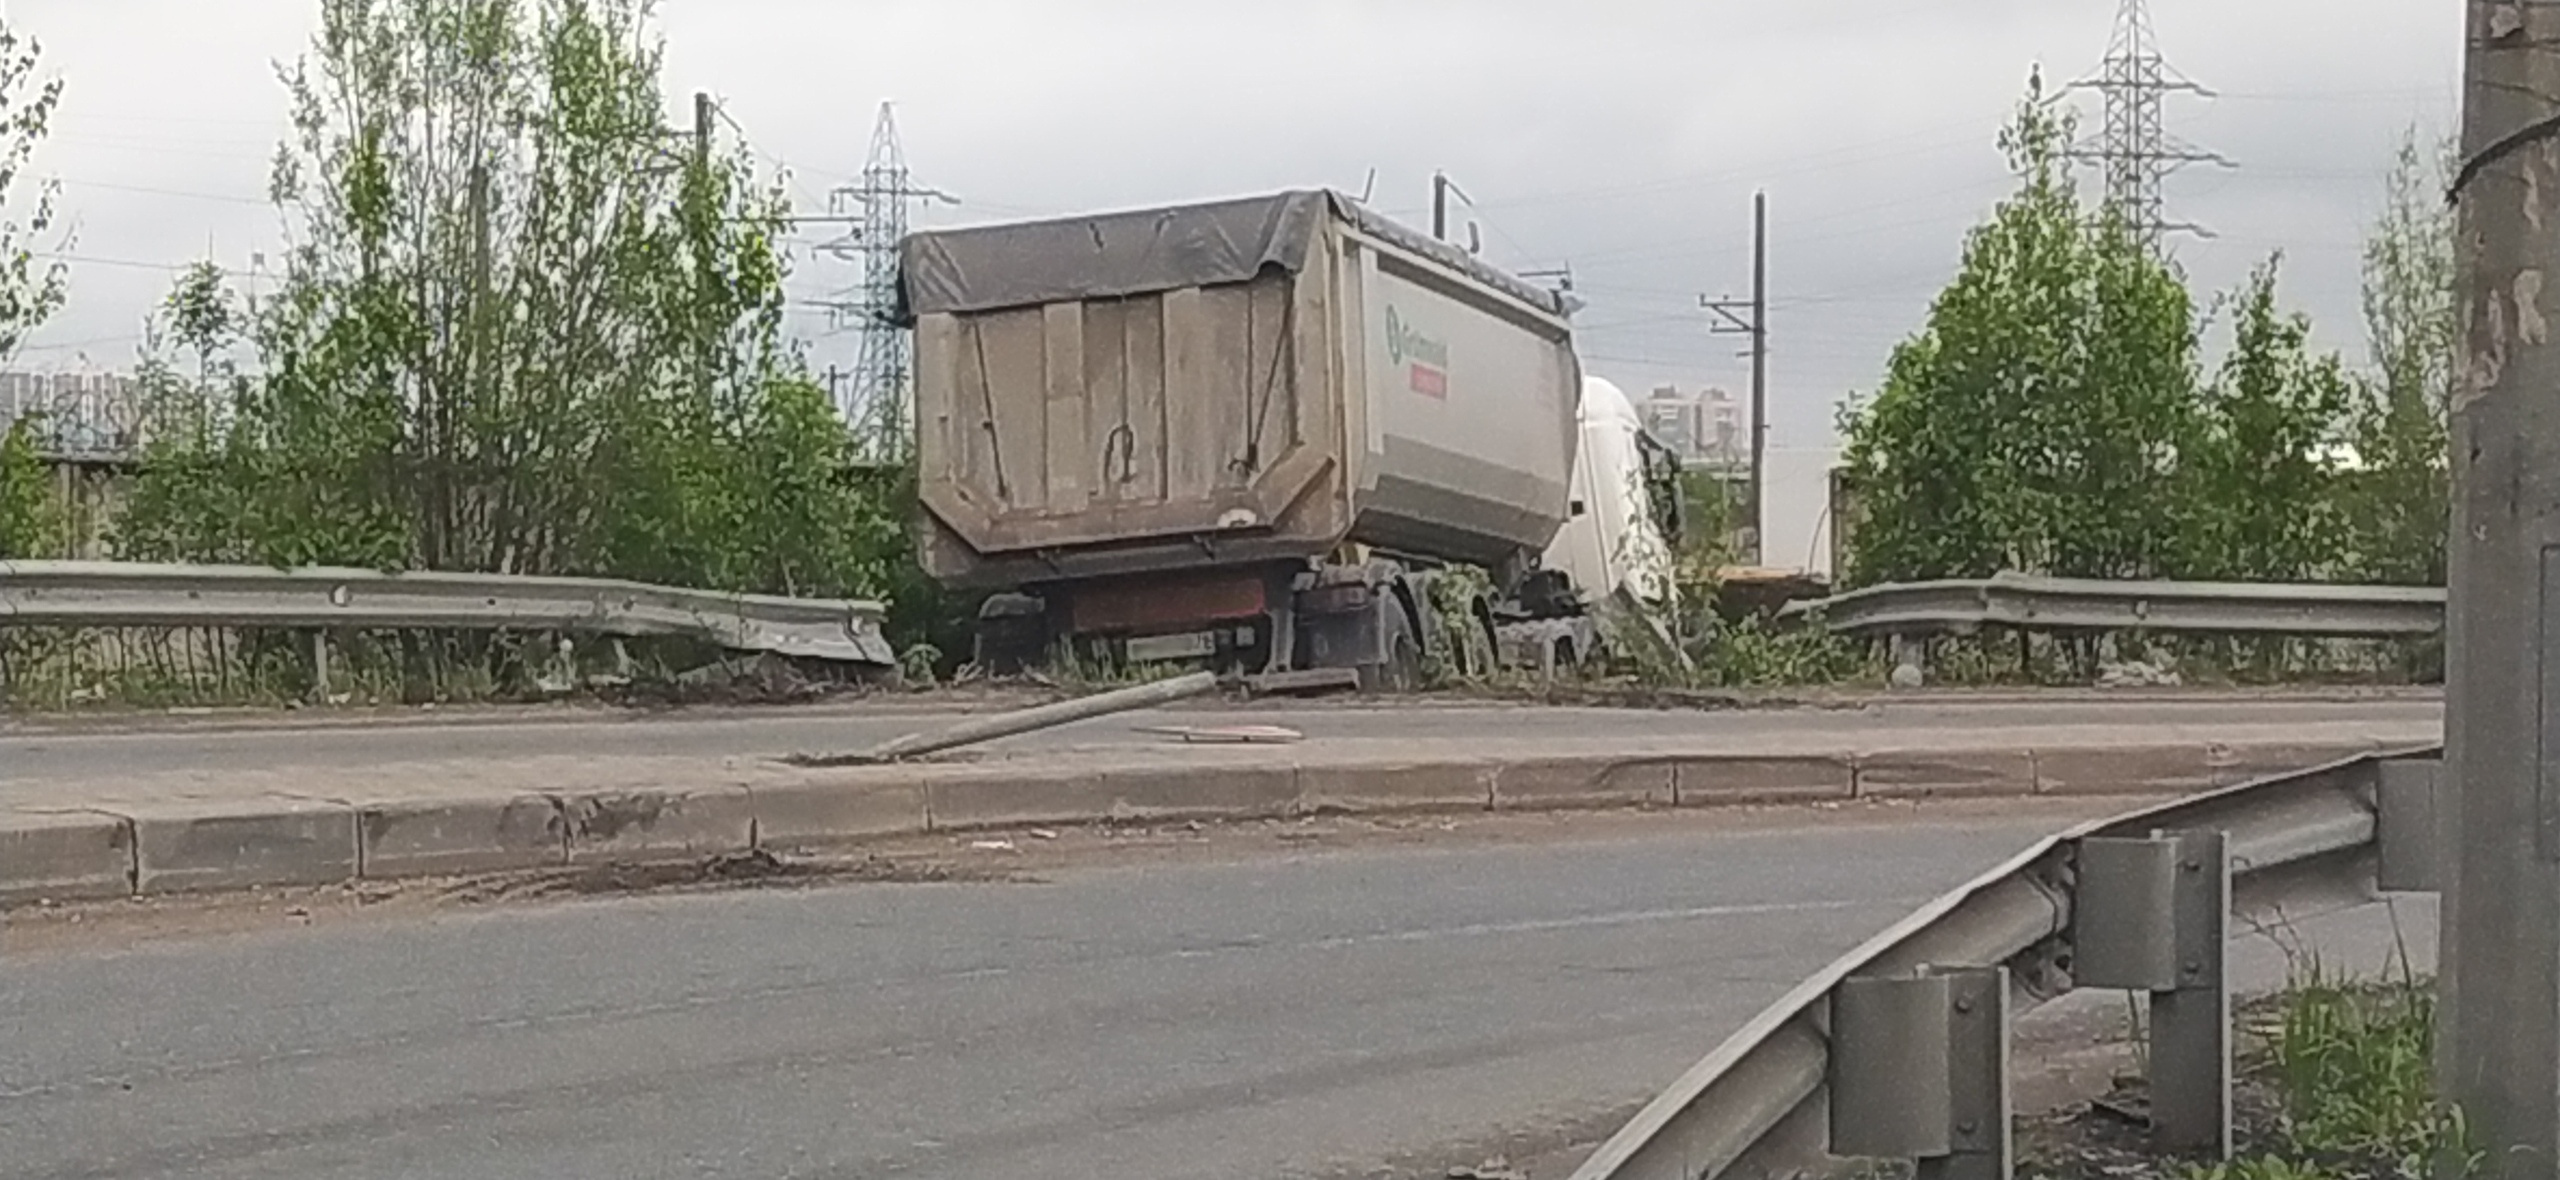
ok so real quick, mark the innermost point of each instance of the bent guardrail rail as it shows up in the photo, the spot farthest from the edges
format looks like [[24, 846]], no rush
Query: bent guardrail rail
[[2040, 603], [131, 594], [1899, 1048]]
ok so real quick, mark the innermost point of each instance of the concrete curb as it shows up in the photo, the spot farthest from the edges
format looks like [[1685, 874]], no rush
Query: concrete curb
[[197, 845]]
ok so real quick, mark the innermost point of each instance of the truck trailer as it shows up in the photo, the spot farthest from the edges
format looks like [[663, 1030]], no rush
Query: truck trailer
[[1246, 433]]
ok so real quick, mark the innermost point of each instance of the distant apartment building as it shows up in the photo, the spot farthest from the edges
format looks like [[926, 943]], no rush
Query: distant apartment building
[[1704, 427], [79, 413]]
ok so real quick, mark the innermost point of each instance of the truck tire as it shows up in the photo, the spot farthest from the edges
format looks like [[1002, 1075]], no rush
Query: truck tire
[[1402, 670], [1013, 636]]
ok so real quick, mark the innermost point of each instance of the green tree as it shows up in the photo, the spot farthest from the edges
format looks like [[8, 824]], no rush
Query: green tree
[[31, 522], [2034, 422], [525, 328], [201, 482], [2262, 474], [29, 293], [2396, 510]]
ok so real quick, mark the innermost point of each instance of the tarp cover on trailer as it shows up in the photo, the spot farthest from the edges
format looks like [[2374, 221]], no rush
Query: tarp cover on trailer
[[1142, 252]]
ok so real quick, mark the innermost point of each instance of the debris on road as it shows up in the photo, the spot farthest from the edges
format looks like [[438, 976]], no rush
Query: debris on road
[[994, 846], [1496, 1168], [1303, 683], [753, 868], [2139, 674], [1226, 734]]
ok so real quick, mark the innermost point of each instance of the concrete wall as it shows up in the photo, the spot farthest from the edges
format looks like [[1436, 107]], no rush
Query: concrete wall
[[1796, 510]]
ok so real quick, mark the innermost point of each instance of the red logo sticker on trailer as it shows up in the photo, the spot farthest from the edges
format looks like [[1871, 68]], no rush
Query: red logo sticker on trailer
[[1428, 374]]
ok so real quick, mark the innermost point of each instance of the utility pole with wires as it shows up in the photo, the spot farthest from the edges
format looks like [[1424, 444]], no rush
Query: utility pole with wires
[[1750, 317], [2133, 149], [2499, 1030]]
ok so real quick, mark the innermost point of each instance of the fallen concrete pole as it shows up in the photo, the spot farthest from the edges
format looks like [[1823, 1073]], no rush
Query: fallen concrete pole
[[1039, 717]]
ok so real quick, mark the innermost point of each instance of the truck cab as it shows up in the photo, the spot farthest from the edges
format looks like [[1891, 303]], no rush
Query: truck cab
[[1624, 515]]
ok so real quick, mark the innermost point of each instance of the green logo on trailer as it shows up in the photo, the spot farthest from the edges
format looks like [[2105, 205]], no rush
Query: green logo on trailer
[[1426, 360]]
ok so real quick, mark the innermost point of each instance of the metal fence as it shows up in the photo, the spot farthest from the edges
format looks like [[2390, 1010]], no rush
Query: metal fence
[[1900, 1048], [2025, 602]]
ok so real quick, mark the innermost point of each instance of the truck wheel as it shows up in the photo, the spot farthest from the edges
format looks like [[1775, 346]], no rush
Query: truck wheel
[[998, 657], [1012, 638], [1402, 671]]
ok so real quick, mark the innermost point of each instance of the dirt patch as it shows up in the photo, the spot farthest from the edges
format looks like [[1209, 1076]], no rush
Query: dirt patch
[[2105, 1135], [756, 869], [1537, 1150], [2108, 1137], [63, 928]]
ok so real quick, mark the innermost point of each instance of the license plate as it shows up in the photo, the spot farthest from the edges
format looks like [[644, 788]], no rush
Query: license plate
[[1157, 648]]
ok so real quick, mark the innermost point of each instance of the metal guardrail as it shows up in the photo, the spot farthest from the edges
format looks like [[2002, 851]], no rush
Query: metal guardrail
[[2040, 603], [126, 594], [1899, 1048]]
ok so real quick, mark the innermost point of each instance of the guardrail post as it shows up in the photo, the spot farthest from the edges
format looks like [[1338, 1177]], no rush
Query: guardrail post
[[2410, 827], [1919, 1070], [2152, 915], [319, 666], [1906, 651]]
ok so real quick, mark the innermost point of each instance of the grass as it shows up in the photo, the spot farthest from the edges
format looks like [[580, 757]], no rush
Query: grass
[[2334, 1080], [2351, 1066]]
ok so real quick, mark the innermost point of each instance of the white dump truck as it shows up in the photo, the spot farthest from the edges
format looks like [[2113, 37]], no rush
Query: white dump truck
[[1250, 434]]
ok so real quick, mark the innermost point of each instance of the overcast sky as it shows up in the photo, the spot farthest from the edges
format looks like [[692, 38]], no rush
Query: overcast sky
[[1622, 137]]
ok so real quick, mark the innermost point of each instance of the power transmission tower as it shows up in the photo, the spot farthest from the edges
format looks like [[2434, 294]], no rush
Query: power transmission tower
[[875, 400], [2133, 148]]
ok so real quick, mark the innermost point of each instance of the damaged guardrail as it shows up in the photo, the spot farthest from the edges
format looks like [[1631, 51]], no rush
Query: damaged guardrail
[[127, 594]]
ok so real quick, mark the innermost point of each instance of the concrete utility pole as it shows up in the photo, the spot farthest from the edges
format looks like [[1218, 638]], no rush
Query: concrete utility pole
[[1751, 317], [705, 110], [2501, 946]]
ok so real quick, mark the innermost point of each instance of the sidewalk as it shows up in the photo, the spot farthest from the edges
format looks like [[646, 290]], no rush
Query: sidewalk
[[233, 829]]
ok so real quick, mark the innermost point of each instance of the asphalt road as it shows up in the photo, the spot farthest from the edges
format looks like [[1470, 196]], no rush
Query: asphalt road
[[81, 753], [1278, 1017]]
